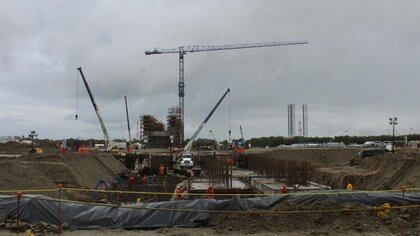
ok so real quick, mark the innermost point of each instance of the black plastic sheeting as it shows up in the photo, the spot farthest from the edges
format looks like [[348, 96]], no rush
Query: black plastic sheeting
[[36, 208]]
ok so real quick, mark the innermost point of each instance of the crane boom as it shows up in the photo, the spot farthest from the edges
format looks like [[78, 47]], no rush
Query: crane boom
[[242, 134], [92, 99], [199, 48], [128, 121], [188, 147], [182, 50]]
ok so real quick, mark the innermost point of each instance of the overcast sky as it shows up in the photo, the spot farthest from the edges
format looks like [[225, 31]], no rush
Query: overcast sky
[[359, 68]]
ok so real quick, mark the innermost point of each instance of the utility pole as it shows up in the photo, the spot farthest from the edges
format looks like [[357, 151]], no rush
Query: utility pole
[[182, 50], [128, 121], [393, 122]]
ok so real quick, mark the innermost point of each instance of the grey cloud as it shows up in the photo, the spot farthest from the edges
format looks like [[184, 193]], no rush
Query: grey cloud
[[359, 68]]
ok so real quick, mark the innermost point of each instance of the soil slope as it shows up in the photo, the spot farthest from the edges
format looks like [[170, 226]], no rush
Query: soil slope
[[316, 156], [389, 171], [39, 171]]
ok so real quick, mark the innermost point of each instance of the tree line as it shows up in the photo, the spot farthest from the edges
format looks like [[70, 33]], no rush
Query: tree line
[[274, 141]]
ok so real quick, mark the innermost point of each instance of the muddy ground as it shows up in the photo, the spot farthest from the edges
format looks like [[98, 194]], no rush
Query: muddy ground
[[379, 172], [319, 223]]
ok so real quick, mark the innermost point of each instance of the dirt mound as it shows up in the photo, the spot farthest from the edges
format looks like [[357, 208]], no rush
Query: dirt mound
[[40, 171], [316, 156], [317, 223], [389, 171]]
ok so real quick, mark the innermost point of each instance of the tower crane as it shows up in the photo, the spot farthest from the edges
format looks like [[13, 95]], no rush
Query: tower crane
[[182, 50], [101, 121]]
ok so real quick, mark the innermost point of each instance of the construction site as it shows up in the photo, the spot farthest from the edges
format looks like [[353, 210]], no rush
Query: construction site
[[169, 179]]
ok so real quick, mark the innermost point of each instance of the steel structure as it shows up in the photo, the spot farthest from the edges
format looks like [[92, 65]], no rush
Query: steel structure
[[291, 120], [182, 50], [101, 121]]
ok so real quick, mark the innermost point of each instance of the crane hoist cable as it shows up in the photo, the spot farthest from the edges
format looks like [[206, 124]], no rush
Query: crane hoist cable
[[230, 118], [76, 113]]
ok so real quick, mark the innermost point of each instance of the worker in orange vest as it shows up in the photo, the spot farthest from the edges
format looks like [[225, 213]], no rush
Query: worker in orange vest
[[210, 192], [283, 189], [161, 170], [82, 149], [63, 149], [178, 193]]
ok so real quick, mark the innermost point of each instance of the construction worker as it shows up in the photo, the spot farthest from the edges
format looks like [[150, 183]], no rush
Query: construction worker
[[144, 180], [82, 149], [178, 193], [63, 149], [283, 189], [161, 169], [132, 180], [383, 211], [210, 192], [349, 186]]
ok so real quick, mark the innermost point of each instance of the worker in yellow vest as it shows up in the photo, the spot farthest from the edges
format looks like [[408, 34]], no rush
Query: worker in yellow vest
[[349, 186]]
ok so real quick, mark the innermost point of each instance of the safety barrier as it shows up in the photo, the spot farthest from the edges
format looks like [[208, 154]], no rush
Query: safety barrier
[[327, 192]]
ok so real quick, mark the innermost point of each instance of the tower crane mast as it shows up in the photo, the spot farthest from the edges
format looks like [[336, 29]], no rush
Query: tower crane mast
[[182, 50]]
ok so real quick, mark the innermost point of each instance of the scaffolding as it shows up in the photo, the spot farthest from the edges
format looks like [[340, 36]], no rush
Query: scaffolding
[[153, 133], [174, 126]]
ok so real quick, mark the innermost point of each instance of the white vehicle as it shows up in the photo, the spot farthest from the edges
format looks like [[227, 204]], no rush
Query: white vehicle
[[186, 162], [100, 147], [118, 145], [136, 147], [389, 147]]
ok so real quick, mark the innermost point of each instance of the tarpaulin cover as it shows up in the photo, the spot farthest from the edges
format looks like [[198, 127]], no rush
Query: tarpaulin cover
[[37, 208]]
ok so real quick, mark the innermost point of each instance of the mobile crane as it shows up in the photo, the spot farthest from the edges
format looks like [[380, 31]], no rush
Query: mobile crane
[[101, 121], [185, 157]]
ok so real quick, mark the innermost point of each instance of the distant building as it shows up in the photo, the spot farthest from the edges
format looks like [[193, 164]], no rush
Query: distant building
[[5, 139], [305, 120], [291, 121]]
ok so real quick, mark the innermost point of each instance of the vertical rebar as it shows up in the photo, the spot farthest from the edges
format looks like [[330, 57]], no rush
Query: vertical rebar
[[18, 196], [60, 186]]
